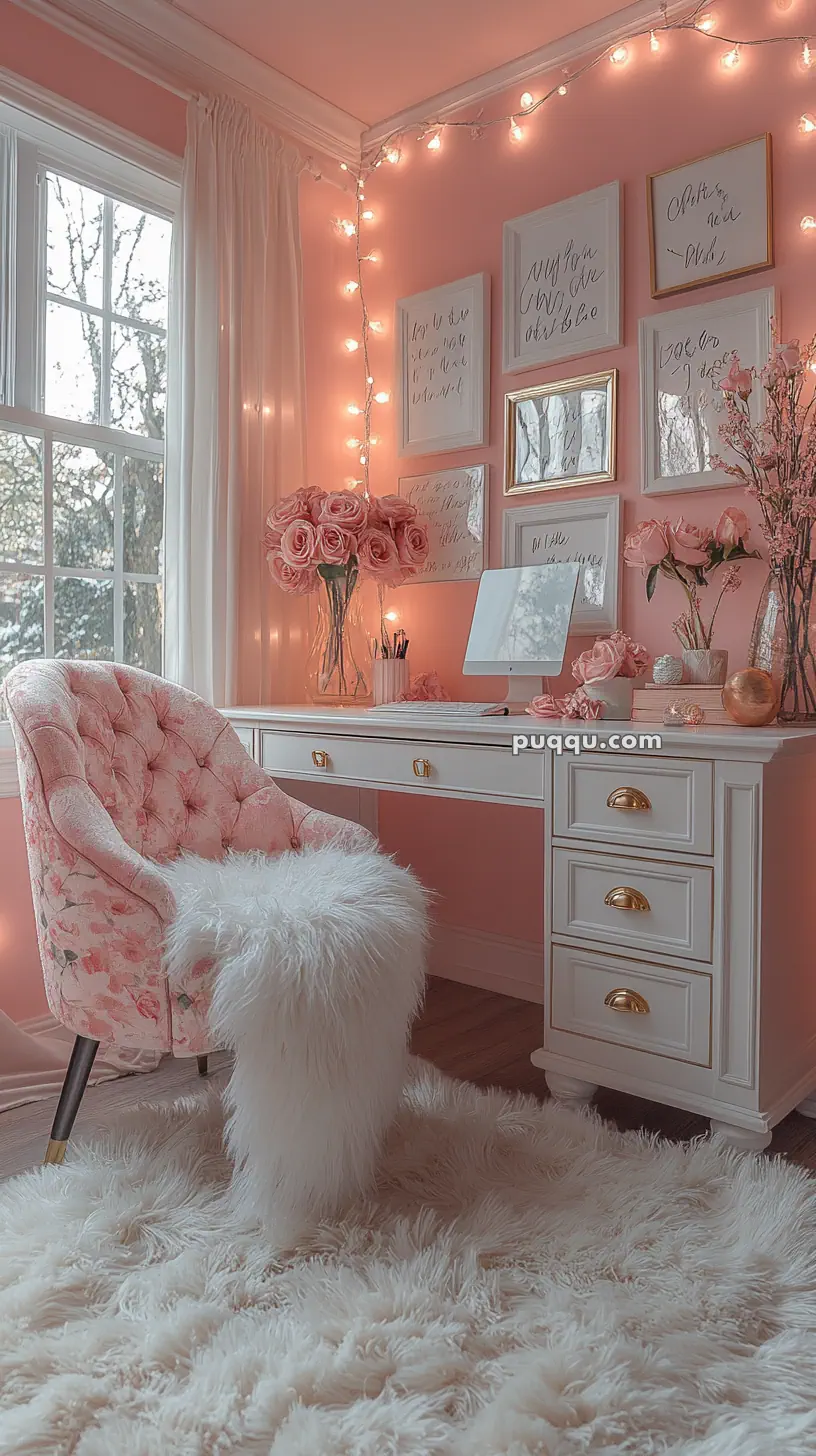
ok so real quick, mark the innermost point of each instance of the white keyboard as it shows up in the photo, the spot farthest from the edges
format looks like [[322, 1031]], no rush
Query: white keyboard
[[443, 710]]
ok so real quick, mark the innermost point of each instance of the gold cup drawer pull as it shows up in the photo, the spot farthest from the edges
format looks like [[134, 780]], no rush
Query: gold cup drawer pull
[[627, 798], [623, 897], [422, 768], [622, 999], [320, 758]]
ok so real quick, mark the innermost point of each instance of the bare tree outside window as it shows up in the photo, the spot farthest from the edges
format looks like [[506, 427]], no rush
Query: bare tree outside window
[[82, 476]]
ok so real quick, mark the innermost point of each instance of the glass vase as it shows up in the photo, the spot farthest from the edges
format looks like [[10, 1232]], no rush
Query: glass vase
[[783, 641], [336, 668]]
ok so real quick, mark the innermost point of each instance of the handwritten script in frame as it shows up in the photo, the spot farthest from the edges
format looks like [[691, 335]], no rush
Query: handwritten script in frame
[[562, 280], [586, 531], [711, 218], [684, 353], [452, 502], [442, 375]]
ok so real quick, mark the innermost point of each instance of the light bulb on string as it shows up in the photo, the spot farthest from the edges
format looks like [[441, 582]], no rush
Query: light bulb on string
[[654, 43], [435, 144], [516, 131], [368, 215], [807, 55], [393, 155], [706, 23], [731, 58], [807, 122], [370, 257], [346, 226], [619, 56], [353, 409], [808, 224], [352, 345], [562, 90], [526, 100], [376, 327], [382, 396], [351, 286], [353, 443]]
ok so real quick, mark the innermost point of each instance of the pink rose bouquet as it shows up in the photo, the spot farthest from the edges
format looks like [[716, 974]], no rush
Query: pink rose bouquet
[[689, 554], [333, 538]]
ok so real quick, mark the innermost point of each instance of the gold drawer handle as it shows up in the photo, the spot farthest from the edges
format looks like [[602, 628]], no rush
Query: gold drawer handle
[[422, 768], [320, 758], [628, 799], [622, 999], [623, 897]]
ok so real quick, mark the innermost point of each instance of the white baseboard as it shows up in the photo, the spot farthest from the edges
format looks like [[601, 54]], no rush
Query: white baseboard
[[491, 962]]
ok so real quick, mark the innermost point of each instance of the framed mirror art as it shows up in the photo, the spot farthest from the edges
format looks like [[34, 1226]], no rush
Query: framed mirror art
[[561, 434]]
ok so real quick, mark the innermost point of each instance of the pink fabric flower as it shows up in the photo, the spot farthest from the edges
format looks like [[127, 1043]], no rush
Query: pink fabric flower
[[344, 508], [635, 656], [732, 528], [377, 555], [288, 579], [688, 543], [789, 357], [395, 509], [425, 688], [412, 544], [601, 662], [646, 545], [334, 545], [738, 380], [574, 705], [298, 545]]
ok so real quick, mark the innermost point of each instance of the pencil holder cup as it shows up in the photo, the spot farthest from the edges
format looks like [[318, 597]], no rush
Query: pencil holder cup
[[391, 677]]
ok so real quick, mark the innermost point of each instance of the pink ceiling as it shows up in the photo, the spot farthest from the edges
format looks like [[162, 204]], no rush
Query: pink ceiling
[[375, 57]]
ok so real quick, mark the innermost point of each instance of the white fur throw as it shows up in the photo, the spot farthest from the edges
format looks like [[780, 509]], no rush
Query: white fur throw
[[320, 966]]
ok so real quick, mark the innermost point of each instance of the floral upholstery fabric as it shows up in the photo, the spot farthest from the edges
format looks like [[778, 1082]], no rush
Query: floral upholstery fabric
[[120, 770]]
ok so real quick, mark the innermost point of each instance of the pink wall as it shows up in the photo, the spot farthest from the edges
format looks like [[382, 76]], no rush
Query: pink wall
[[439, 217], [44, 55]]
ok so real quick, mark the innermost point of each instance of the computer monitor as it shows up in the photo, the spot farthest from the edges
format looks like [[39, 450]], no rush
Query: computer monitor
[[520, 625]]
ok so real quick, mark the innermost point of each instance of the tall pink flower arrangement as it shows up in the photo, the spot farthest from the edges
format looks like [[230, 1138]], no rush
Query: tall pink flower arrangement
[[689, 555], [776, 463], [317, 539]]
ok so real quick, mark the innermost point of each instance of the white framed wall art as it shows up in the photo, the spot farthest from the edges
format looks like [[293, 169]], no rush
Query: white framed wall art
[[453, 503], [586, 531], [442, 371]]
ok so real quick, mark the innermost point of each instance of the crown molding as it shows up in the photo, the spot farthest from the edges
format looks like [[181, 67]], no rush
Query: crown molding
[[578, 45], [166, 45]]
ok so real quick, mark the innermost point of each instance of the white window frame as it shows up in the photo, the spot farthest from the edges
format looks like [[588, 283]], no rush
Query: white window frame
[[40, 132]]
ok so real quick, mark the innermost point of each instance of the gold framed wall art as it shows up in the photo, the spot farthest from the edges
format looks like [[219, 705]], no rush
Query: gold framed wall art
[[561, 434]]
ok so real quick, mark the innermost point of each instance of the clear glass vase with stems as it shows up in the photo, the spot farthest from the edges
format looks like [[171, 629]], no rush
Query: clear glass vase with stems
[[783, 641], [338, 656]]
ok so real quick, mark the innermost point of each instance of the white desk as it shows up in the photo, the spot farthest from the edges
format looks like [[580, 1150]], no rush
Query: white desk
[[679, 903]]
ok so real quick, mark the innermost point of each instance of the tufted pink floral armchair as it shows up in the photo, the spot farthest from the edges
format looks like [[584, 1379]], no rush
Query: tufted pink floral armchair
[[119, 770]]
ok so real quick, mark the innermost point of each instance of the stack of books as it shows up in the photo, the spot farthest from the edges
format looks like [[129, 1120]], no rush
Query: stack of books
[[650, 703]]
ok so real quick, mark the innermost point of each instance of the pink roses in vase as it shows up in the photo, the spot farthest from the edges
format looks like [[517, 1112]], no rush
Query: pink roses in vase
[[324, 541], [606, 674]]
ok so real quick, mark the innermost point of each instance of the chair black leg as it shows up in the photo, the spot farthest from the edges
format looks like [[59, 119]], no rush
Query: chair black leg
[[202, 1066], [76, 1080]]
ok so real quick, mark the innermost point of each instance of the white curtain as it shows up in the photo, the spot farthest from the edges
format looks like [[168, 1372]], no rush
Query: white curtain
[[236, 411]]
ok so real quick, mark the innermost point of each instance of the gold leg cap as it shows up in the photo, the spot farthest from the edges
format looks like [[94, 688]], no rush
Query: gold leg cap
[[55, 1152]]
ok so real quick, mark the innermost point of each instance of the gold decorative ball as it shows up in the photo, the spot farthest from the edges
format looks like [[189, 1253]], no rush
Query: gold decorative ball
[[751, 697]]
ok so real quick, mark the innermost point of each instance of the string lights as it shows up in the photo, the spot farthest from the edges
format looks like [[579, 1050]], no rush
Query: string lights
[[698, 20]]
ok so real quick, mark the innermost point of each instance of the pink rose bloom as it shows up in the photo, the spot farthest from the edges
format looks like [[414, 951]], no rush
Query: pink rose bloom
[[600, 662], [732, 527], [294, 507], [635, 656], [395, 509], [316, 506], [377, 555], [646, 545], [334, 545], [789, 357], [288, 579], [737, 381], [344, 508], [298, 544], [688, 543], [412, 544]]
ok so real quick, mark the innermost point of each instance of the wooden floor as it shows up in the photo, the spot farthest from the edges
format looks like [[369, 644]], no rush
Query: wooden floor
[[476, 1035]]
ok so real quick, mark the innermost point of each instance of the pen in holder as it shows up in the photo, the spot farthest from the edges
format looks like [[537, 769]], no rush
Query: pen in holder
[[391, 677]]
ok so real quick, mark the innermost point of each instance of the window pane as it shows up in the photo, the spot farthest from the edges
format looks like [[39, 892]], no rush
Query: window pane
[[83, 506], [83, 618], [143, 625], [21, 497], [140, 268], [74, 240], [138, 381], [21, 620], [143, 511], [73, 363]]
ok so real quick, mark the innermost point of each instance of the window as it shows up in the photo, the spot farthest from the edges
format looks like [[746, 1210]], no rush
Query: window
[[85, 243]]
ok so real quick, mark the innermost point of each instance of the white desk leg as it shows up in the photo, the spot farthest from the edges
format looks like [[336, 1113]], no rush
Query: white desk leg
[[570, 1089], [744, 1138]]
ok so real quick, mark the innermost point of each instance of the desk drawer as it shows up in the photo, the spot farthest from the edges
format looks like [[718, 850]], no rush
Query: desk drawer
[[661, 1009], [481, 770], [644, 904], [654, 802]]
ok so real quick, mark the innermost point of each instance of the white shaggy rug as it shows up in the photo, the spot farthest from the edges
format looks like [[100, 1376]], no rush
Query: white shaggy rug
[[526, 1280]]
